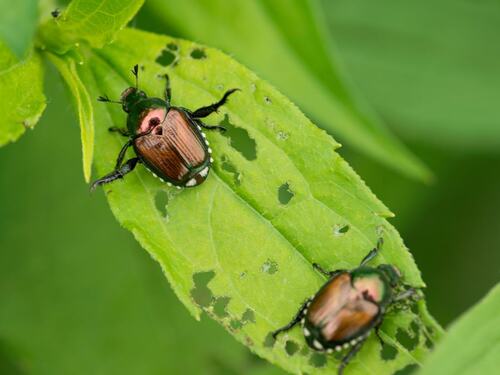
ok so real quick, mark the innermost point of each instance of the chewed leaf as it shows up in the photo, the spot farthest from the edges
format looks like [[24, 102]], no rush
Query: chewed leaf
[[92, 21], [241, 245], [21, 91]]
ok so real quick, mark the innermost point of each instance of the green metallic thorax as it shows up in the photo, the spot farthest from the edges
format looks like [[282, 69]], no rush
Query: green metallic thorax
[[376, 279], [136, 111]]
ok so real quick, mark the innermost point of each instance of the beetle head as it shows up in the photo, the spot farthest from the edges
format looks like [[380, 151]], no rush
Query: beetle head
[[392, 273], [130, 97]]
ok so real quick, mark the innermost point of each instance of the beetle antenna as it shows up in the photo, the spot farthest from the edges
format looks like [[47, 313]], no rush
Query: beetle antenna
[[105, 99], [135, 72]]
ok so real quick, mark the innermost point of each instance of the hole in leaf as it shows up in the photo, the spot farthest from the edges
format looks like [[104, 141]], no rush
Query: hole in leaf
[[172, 46], [406, 340], [270, 267], [235, 324], [285, 194], [282, 136], [229, 167], [201, 294], [388, 352], [166, 58], [248, 341], [198, 53], [220, 305], [161, 202], [305, 351], [317, 360], [248, 316], [410, 369], [239, 139], [269, 340], [340, 230], [291, 347], [267, 100], [415, 327], [428, 343]]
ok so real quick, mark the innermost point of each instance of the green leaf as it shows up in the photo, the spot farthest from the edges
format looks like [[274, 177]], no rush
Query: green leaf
[[241, 245], [17, 24], [427, 67], [472, 343], [92, 21], [67, 67], [21, 90], [265, 35]]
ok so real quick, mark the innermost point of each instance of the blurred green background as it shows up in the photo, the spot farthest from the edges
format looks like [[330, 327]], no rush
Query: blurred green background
[[79, 296]]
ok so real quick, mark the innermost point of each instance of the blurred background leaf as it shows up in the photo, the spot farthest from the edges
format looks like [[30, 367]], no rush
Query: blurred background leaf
[[286, 42], [21, 16], [77, 293], [472, 343], [429, 67]]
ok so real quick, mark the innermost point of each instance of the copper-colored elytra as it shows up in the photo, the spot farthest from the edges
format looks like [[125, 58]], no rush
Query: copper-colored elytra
[[172, 147], [341, 310]]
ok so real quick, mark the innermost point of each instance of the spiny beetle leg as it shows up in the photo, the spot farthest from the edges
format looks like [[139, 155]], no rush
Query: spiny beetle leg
[[348, 356], [408, 293], [105, 99], [127, 167], [373, 253], [377, 333], [205, 111], [297, 318], [320, 269], [121, 155], [212, 127]]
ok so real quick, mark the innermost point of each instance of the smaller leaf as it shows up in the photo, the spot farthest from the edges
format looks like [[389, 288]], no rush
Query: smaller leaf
[[473, 342], [21, 90], [67, 67], [92, 21]]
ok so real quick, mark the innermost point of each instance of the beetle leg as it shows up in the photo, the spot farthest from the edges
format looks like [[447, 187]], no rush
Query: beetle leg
[[377, 333], [348, 356], [373, 253], [211, 127], [408, 293], [297, 318], [122, 131], [104, 98], [205, 111], [127, 167], [121, 155], [320, 269]]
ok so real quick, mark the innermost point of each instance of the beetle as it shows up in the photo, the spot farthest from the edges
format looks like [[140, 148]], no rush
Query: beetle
[[349, 306], [168, 140]]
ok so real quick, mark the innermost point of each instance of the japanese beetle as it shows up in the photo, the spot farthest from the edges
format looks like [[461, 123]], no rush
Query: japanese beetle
[[168, 140], [349, 306]]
